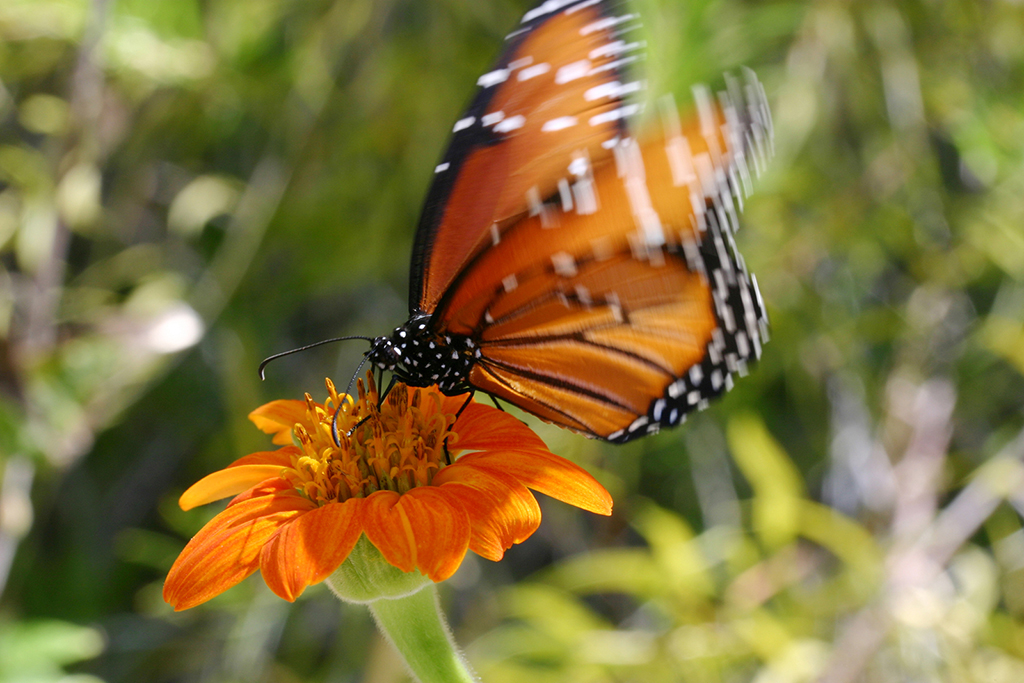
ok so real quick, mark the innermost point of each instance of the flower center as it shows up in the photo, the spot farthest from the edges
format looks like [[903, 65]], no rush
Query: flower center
[[396, 447]]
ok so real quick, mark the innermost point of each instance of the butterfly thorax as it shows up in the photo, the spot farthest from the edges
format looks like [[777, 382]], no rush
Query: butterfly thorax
[[420, 357]]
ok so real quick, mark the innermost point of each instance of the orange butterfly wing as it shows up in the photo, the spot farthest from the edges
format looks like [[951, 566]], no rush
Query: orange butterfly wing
[[570, 270], [556, 92], [619, 317]]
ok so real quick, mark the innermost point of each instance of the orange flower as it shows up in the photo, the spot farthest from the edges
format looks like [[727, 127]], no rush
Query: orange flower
[[301, 509]]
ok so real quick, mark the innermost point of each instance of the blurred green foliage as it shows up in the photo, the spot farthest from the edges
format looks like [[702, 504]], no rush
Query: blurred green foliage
[[187, 187]]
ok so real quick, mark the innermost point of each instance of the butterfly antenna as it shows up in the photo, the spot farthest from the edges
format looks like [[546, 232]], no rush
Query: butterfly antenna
[[335, 434], [348, 389], [266, 361]]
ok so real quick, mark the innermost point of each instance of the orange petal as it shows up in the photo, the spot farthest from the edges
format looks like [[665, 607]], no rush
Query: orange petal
[[228, 482], [422, 530], [483, 428], [282, 457], [441, 530], [501, 510], [452, 404], [548, 474], [227, 549], [270, 487], [278, 418], [309, 549], [389, 531]]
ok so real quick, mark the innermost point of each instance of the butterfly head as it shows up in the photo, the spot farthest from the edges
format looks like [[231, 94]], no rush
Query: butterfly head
[[384, 353]]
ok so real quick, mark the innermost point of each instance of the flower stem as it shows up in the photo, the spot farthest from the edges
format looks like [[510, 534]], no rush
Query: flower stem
[[415, 626]]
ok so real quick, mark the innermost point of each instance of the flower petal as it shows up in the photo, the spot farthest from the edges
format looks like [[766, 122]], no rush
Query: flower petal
[[452, 404], [227, 549], [422, 530], [501, 510], [278, 418], [548, 474], [386, 530], [282, 457], [311, 548], [483, 428], [440, 528], [240, 475]]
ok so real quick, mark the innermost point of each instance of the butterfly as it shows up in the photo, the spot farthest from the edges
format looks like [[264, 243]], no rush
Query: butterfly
[[564, 265]]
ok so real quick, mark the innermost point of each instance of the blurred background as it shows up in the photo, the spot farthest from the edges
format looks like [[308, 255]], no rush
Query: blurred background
[[188, 186]]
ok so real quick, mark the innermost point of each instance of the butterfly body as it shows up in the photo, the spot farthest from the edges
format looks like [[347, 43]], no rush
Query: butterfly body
[[420, 357], [568, 266]]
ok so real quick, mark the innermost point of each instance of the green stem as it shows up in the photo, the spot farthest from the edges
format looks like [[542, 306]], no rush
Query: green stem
[[415, 626]]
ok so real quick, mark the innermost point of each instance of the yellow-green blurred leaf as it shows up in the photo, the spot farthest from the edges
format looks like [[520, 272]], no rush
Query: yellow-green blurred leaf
[[778, 489]]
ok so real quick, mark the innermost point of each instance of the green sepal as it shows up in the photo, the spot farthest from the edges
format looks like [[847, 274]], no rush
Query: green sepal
[[365, 576]]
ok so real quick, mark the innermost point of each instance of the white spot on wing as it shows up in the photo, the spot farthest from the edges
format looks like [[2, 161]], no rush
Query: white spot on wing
[[566, 194], [613, 65], [561, 123], [602, 24], [492, 78], [630, 164], [492, 118], [534, 71], [677, 147], [533, 199], [462, 124], [572, 71], [547, 7], [616, 47], [440, 168], [638, 423], [510, 124], [611, 89], [708, 126], [615, 305], [583, 189], [577, 8], [614, 114], [510, 282], [564, 264]]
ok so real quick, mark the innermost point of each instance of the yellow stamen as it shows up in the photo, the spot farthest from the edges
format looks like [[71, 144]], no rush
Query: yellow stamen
[[396, 447]]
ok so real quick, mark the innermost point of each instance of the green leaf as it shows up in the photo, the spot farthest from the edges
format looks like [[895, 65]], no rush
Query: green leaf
[[778, 487]]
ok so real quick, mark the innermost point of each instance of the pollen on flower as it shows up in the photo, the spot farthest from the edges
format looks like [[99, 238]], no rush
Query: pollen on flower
[[396, 447]]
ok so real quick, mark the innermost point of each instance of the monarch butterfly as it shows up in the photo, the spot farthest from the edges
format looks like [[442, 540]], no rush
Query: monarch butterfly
[[565, 266]]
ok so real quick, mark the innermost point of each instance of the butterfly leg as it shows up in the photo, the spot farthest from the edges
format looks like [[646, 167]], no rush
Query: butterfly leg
[[497, 404], [380, 401], [384, 394], [447, 455]]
